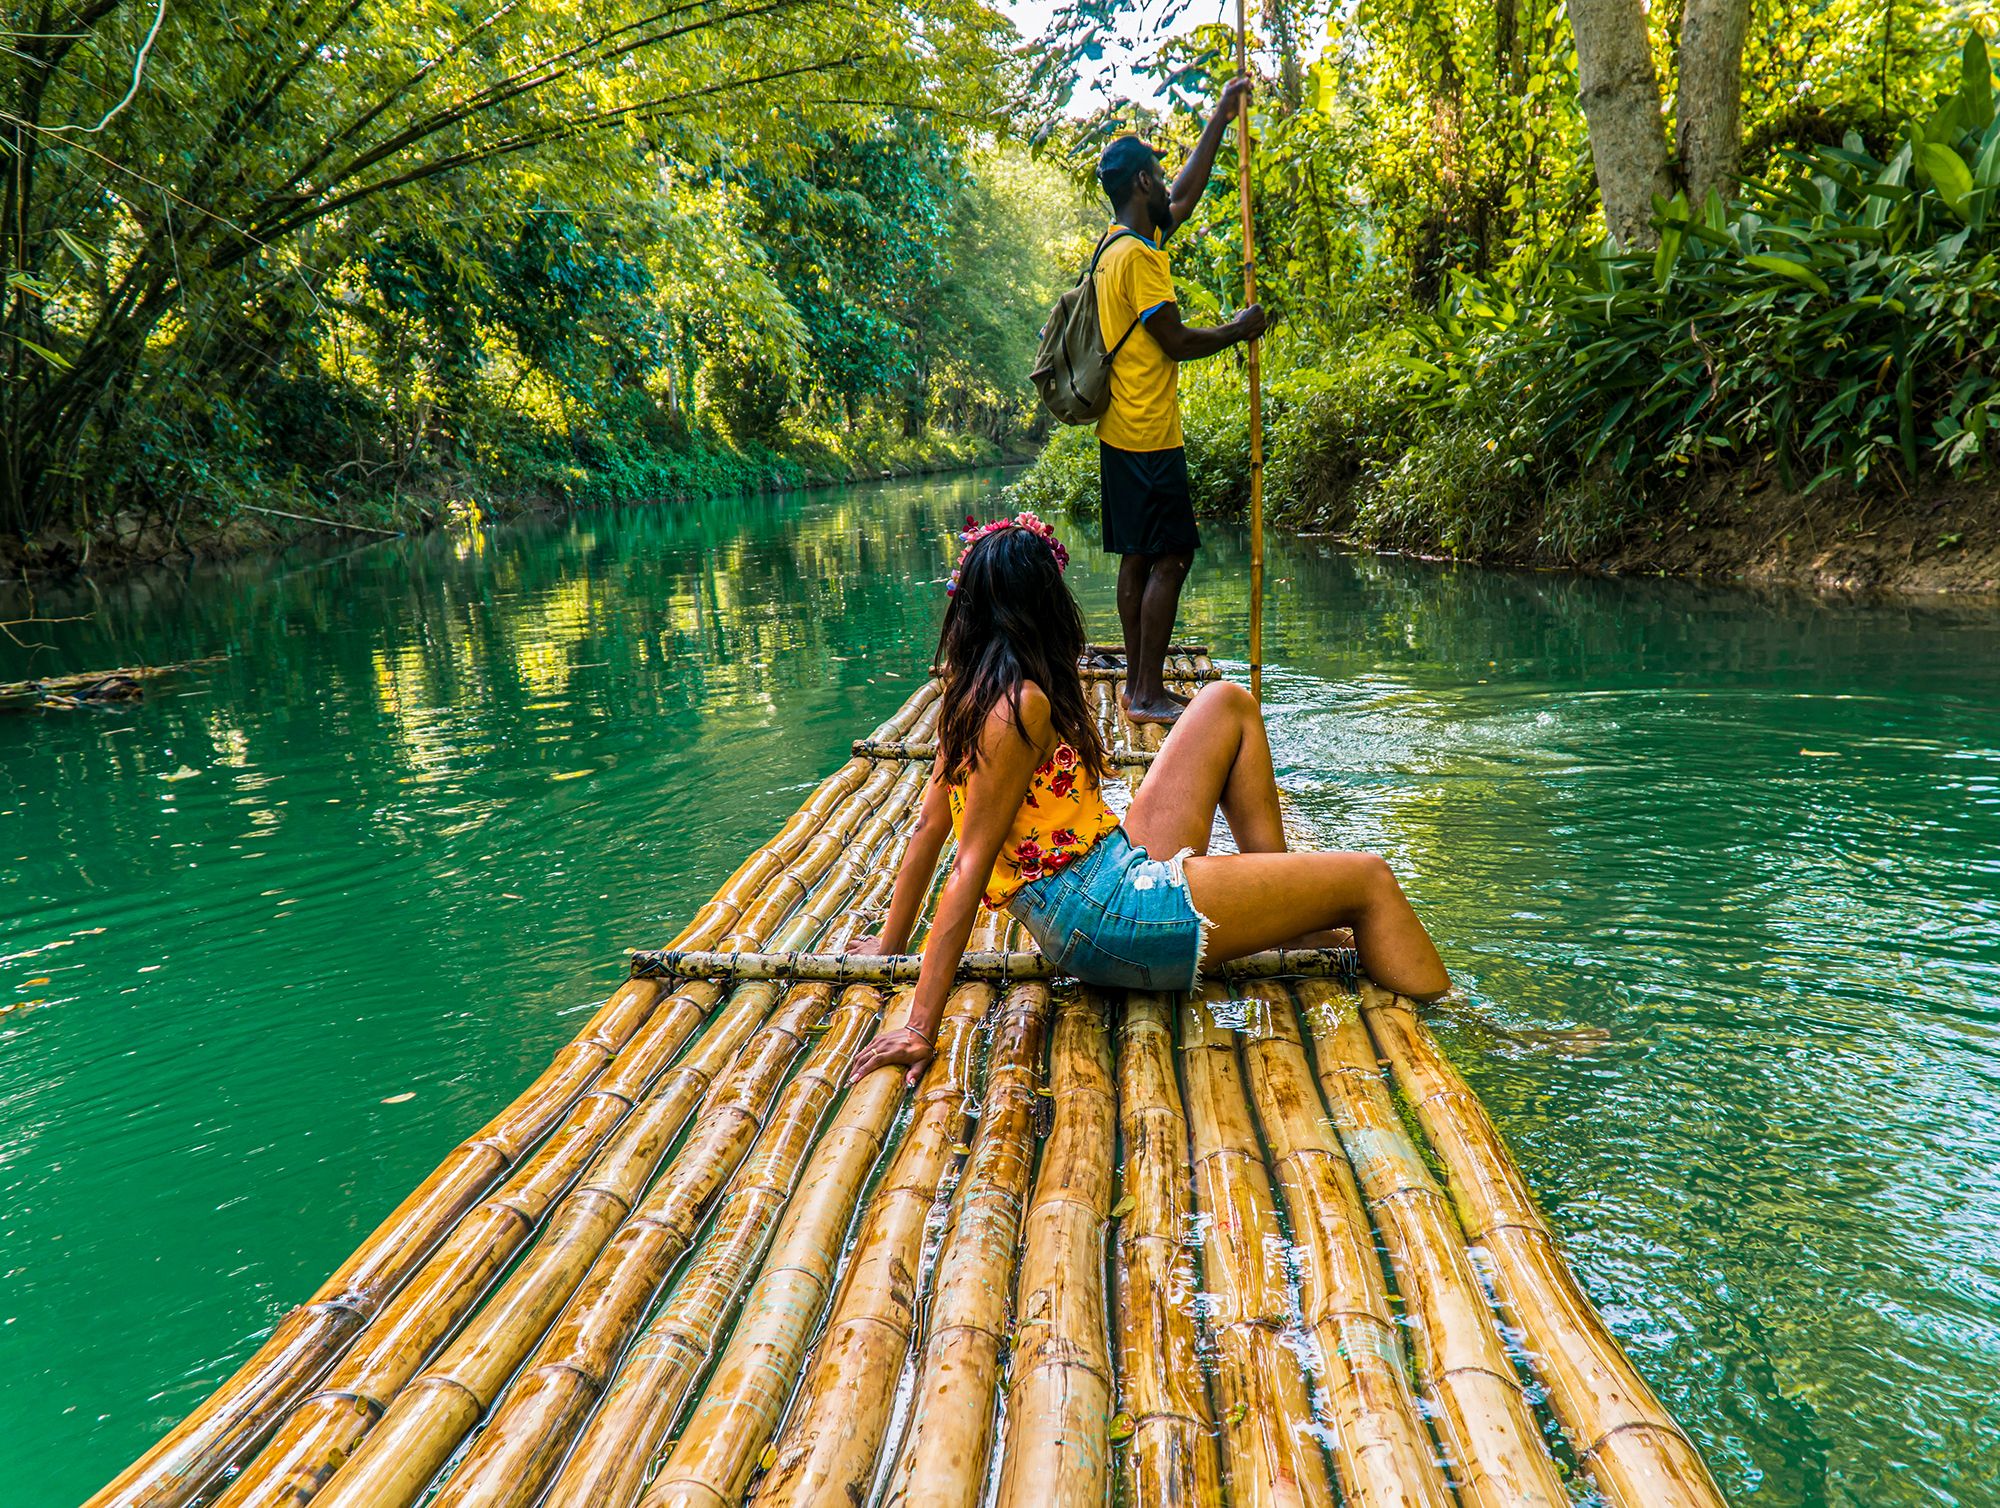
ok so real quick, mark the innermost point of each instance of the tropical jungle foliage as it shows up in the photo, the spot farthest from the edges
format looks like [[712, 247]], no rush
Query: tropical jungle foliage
[[1466, 361], [359, 258]]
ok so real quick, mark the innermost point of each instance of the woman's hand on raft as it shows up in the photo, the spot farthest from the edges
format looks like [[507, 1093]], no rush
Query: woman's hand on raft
[[905, 1047]]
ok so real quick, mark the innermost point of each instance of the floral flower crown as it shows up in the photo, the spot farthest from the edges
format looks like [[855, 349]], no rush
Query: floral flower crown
[[974, 531]]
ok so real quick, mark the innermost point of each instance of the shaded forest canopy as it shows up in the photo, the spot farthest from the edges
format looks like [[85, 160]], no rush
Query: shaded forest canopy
[[1536, 268]]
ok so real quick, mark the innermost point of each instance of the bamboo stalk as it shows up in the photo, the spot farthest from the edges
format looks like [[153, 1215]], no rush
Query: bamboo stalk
[[521, 1443], [1057, 1446], [1382, 1454], [833, 1435], [944, 1458], [1115, 673], [1496, 1450], [1260, 1385], [1178, 647], [1171, 1458], [740, 1409], [1256, 370], [42, 685], [608, 1464], [1633, 1448], [980, 965]]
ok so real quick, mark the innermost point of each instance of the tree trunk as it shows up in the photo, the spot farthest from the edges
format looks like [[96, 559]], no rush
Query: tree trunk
[[1708, 114], [1621, 101]]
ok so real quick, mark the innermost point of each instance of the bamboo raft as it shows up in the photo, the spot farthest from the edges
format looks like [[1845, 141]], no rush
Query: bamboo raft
[[1164, 1250]]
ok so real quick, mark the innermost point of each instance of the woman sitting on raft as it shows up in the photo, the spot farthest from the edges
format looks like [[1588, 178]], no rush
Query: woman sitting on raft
[[1018, 769]]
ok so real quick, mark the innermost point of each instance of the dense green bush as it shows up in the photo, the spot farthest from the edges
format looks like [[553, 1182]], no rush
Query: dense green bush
[[1840, 322]]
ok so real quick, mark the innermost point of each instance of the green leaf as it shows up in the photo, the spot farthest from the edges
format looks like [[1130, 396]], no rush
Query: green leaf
[[1948, 175], [1798, 272], [76, 248], [1122, 1208], [53, 358], [1977, 87], [1671, 240]]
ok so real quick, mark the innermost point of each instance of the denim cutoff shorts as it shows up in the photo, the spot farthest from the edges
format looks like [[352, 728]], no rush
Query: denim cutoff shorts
[[1118, 918]]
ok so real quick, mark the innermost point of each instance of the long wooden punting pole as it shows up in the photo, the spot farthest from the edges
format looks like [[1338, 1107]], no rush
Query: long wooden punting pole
[[1170, 1459], [1260, 1386], [1496, 1450], [1057, 1445], [187, 1462], [322, 1432], [1256, 373], [614, 1278], [1382, 1454], [945, 1454], [717, 1452], [1633, 1449]]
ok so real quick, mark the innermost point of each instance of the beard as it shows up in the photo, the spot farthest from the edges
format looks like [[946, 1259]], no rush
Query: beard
[[1161, 208]]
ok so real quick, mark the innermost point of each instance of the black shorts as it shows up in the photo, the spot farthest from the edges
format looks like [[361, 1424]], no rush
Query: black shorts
[[1145, 503]]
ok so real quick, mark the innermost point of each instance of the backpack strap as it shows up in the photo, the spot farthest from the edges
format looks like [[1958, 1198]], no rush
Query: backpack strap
[[1103, 245]]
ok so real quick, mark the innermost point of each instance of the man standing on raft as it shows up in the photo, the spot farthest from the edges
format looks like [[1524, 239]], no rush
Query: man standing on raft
[[1142, 463]]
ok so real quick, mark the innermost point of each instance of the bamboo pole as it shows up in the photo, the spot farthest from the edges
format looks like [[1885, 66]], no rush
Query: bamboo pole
[[1024, 966], [1382, 1454], [739, 1411], [1496, 1450], [866, 748], [652, 1383], [1256, 370], [1057, 1444], [1634, 1450], [945, 1454], [832, 1439], [1114, 673], [316, 1438], [1170, 1459], [522, 1441], [1271, 1458], [1117, 651]]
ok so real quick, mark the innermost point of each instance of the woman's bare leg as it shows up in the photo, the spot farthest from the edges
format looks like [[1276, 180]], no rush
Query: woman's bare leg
[[1255, 901], [1217, 756]]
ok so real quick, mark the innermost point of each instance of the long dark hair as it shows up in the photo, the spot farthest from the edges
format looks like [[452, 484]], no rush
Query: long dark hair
[[1011, 620]]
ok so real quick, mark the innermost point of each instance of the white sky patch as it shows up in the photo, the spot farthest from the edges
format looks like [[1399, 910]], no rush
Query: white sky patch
[[1133, 39]]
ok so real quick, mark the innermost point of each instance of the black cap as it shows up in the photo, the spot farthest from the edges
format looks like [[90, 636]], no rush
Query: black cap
[[1124, 158]]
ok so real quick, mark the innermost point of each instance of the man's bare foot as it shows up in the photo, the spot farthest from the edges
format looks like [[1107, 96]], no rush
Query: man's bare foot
[[1125, 700], [1165, 711]]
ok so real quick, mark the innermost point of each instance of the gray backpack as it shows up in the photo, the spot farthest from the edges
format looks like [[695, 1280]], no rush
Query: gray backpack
[[1072, 369]]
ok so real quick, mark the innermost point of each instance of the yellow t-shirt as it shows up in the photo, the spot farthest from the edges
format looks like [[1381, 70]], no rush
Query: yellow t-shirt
[[1145, 414]]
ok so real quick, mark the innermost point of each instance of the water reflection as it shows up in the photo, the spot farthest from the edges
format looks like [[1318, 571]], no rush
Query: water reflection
[[393, 843]]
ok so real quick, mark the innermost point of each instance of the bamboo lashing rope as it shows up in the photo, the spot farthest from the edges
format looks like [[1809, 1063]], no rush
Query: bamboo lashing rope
[[1022, 966], [1256, 374]]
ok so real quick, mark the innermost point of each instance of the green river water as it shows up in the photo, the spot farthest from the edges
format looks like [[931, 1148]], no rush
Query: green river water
[[273, 942]]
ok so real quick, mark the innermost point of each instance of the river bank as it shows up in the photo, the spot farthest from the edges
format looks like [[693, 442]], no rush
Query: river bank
[[1940, 537], [135, 540]]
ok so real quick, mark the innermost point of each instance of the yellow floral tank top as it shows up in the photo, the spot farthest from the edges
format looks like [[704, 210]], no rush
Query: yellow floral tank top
[[1063, 815]]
